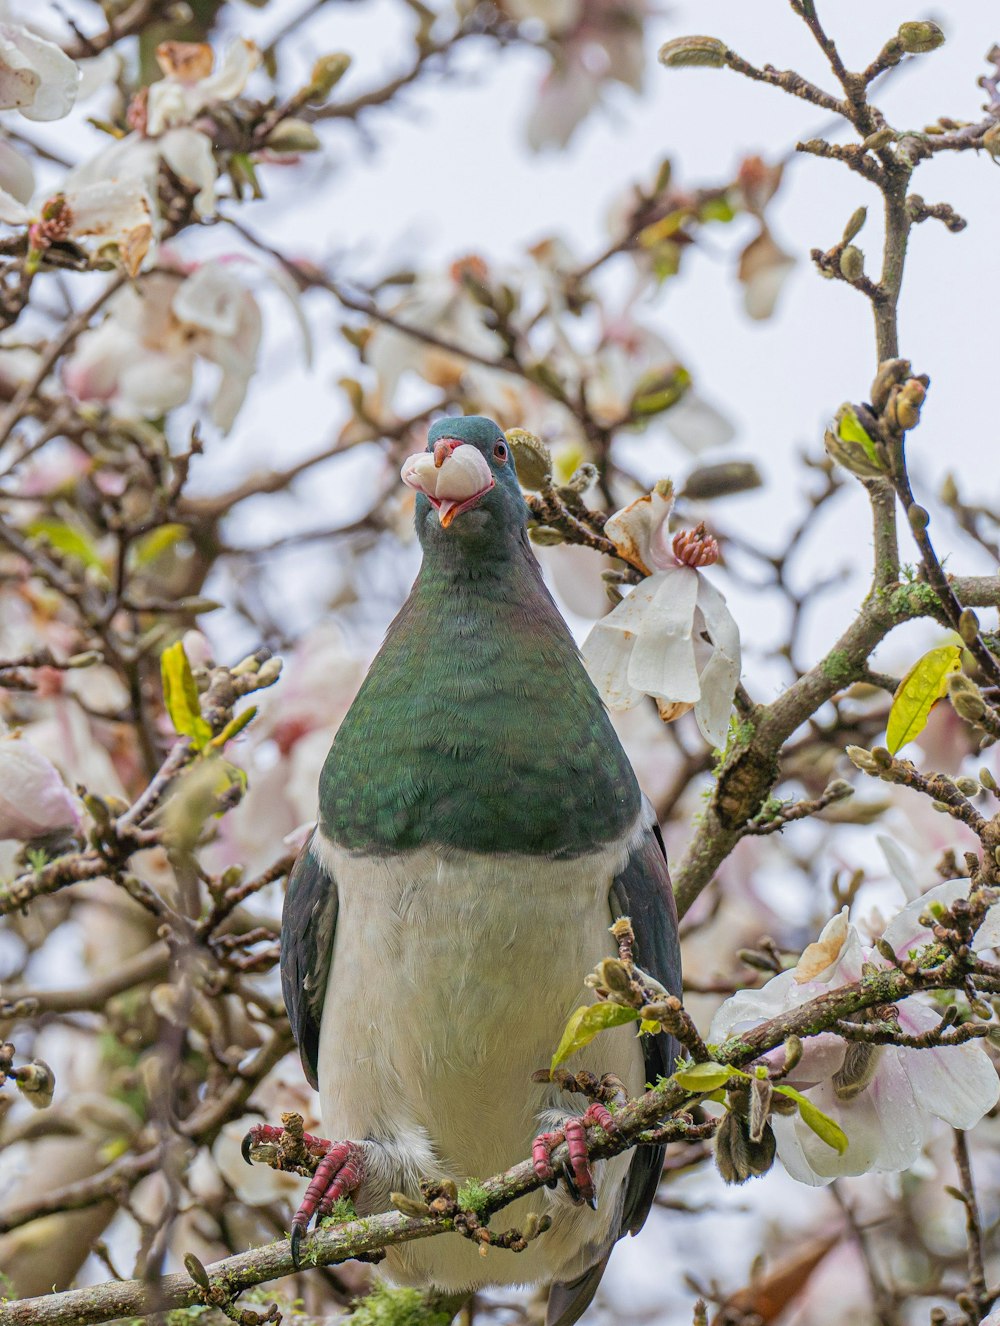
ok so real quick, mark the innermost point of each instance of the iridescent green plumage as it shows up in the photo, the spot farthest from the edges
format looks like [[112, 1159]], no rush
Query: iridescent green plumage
[[477, 726]]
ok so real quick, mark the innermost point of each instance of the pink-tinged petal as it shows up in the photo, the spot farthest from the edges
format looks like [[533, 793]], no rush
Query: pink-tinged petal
[[956, 1083], [763, 269], [36, 76], [633, 529], [34, 800], [663, 659]]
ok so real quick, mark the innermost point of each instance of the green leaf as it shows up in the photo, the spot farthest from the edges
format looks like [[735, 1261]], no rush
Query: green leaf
[[813, 1117], [851, 429], [234, 727], [154, 544], [587, 1022], [925, 683], [180, 695], [703, 1077], [68, 540]]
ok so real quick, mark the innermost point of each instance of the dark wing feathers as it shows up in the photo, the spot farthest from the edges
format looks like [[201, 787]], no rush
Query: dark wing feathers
[[641, 891], [308, 927]]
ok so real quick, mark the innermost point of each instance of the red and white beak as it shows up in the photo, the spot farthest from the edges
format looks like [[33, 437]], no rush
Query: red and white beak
[[453, 476]]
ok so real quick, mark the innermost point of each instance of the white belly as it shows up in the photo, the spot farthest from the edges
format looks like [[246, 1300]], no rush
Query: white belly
[[452, 980]]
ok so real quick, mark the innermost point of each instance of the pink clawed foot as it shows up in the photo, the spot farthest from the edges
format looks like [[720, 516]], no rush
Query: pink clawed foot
[[340, 1173], [576, 1171]]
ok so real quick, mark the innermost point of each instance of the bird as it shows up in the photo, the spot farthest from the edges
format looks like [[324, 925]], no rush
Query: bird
[[480, 829]]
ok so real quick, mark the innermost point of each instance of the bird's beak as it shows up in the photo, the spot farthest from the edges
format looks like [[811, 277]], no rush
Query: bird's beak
[[453, 476]]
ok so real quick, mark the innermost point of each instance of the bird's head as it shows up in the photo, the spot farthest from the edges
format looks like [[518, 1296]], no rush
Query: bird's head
[[466, 483]]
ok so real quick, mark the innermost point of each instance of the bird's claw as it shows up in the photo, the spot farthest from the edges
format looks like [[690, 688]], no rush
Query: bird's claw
[[340, 1173], [576, 1171]]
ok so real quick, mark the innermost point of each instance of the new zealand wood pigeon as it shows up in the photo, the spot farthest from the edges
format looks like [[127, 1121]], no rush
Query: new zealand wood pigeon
[[480, 828]]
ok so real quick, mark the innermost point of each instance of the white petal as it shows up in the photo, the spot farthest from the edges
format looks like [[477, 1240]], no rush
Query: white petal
[[957, 1083], [210, 299], [697, 425], [900, 864], [606, 652], [463, 474], [118, 212], [905, 932], [34, 800], [12, 212], [151, 383], [188, 153], [748, 1008], [663, 659], [17, 179], [721, 673], [633, 527], [36, 76], [229, 80]]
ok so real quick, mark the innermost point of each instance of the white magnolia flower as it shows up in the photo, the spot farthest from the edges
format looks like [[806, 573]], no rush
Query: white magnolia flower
[[41, 81], [672, 637], [36, 76], [34, 800], [191, 82], [141, 359], [105, 217], [888, 1100]]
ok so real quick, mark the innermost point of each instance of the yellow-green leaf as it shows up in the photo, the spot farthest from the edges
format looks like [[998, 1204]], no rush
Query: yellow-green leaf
[[69, 540], [925, 683], [180, 695], [703, 1077], [234, 727], [587, 1022], [813, 1117], [647, 1027], [154, 544], [851, 429]]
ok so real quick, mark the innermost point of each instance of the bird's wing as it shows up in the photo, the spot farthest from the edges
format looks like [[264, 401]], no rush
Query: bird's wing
[[308, 928], [641, 891]]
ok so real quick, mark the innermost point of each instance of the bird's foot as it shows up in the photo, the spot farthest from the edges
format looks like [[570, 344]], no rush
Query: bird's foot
[[287, 1148], [340, 1173], [576, 1170]]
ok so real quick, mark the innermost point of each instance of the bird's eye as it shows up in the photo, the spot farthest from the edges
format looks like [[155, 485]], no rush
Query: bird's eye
[[500, 452]]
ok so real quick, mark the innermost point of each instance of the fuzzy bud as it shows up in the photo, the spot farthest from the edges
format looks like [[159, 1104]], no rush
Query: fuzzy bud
[[857, 1071], [968, 626], [613, 974], [839, 790], [919, 518], [850, 444], [861, 759], [326, 74], [879, 139], [919, 38], [853, 227], [37, 1083], [991, 141], [409, 1206], [545, 536], [966, 697], [761, 1093], [685, 52], [293, 135], [987, 780], [269, 672], [708, 481], [532, 458], [852, 263], [891, 373], [581, 480]]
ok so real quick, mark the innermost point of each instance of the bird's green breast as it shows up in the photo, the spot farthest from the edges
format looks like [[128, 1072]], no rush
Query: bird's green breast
[[477, 726]]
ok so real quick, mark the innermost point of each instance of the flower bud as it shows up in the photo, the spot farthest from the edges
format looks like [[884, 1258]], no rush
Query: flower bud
[[879, 139], [733, 476], [857, 1071], [891, 373], [966, 697], [581, 480], [987, 780], [270, 671], [861, 759], [37, 1083], [919, 518], [545, 536], [761, 1094], [34, 800], [852, 446], [409, 1206], [991, 141], [852, 263], [968, 625], [613, 974], [919, 38], [532, 458], [293, 135], [326, 74], [683, 52], [858, 218]]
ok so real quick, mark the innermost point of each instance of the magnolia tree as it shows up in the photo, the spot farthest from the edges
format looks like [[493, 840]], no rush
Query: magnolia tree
[[837, 884]]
